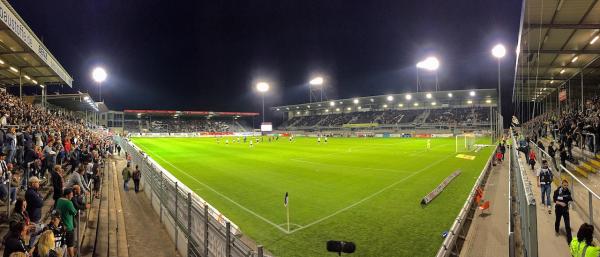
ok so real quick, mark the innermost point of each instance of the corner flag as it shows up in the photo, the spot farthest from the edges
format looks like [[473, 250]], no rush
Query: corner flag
[[285, 200]]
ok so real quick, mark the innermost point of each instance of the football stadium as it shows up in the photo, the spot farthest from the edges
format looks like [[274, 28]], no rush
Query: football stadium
[[438, 140]]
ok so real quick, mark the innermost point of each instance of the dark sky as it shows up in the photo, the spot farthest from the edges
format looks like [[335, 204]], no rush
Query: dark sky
[[206, 55]]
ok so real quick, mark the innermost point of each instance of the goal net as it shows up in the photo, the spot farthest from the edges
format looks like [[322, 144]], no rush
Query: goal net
[[465, 142]]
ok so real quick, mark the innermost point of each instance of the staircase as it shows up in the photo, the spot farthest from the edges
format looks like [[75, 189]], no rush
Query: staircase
[[586, 162], [422, 117]]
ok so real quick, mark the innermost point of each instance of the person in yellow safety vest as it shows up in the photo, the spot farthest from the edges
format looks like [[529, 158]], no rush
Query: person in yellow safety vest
[[582, 245]]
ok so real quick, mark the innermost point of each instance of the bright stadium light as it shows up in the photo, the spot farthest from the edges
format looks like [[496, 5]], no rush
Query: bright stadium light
[[594, 40], [450, 95], [416, 104], [332, 103], [472, 93], [385, 106], [337, 109], [34, 81], [372, 100], [326, 110], [469, 102], [86, 98], [499, 51], [13, 69], [348, 108], [99, 75], [434, 103], [359, 107], [390, 98], [316, 81], [488, 101], [408, 97], [430, 63], [575, 59], [428, 95], [400, 105], [355, 101], [27, 77], [262, 87], [562, 71]]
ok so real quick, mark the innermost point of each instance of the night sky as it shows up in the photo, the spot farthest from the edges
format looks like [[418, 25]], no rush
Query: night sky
[[206, 55]]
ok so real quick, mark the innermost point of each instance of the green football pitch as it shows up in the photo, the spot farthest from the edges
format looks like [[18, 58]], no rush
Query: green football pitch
[[364, 190]]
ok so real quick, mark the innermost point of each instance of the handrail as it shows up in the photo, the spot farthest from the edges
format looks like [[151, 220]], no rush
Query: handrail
[[450, 240], [594, 140]]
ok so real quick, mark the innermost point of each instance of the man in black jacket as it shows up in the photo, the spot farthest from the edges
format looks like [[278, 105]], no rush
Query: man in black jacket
[[57, 183], [561, 198], [34, 199]]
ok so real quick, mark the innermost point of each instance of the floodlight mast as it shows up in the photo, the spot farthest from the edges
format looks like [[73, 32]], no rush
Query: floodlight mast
[[431, 64], [318, 82], [499, 51], [262, 87], [99, 75]]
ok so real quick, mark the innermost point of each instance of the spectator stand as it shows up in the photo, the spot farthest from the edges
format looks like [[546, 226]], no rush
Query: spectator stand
[[170, 121]]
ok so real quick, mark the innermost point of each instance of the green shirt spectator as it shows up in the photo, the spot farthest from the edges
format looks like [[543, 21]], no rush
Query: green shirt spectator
[[67, 212]]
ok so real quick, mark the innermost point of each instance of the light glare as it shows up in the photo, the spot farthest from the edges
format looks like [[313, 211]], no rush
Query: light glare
[[499, 51], [99, 74]]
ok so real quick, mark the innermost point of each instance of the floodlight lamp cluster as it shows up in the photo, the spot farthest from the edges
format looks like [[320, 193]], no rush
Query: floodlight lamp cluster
[[91, 102], [430, 63]]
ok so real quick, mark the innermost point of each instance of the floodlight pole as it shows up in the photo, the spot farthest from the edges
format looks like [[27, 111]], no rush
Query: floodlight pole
[[100, 91], [263, 107], [417, 79], [436, 80], [499, 90]]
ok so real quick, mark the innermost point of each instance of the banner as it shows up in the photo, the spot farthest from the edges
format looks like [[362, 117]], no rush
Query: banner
[[429, 197], [562, 96], [423, 135]]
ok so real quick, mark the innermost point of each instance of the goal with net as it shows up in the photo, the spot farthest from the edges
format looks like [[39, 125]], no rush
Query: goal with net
[[465, 142]]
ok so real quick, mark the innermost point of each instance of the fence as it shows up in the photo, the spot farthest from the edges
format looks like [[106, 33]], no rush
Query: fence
[[522, 194], [196, 228], [450, 245]]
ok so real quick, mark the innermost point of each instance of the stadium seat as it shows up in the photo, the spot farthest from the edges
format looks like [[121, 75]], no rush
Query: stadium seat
[[485, 206]]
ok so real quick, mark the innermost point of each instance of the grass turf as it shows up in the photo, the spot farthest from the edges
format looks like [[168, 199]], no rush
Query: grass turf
[[365, 190]]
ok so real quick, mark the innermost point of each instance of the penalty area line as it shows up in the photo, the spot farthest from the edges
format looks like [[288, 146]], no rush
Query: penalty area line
[[222, 195]]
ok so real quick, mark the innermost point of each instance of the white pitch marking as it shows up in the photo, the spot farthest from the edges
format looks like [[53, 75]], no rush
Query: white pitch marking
[[222, 195], [370, 196]]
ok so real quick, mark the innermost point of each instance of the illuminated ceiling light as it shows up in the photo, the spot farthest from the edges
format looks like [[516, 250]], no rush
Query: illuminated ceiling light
[[340, 102], [27, 77], [469, 102], [449, 94], [326, 110], [332, 103], [86, 98], [359, 107], [317, 81], [348, 108], [472, 93], [1, 62], [499, 51], [545, 89], [408, 97], [562, 71], [297, 107], [390, 98], [594, 40], [308, 106], [42, 86], [489, 101], [434, 103], [355, 101], [372, 100], [428, 95], [416, 104], [319, 105], [385, 106], [297, 112], [575, 59], [287, 108], [34, 81], [13, 69], [277, 109], [337, 109], [400, 105]]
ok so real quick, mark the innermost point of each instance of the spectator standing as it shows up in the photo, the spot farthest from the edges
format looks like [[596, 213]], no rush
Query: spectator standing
[[561, 198], [79, 200], [126, 176], [583, 244], [57, 183], [137, 176], [532, 159], [57, 229], [10, 145], [67, 211], [544, 176], [35, 200], [78, 179], [502, 149]]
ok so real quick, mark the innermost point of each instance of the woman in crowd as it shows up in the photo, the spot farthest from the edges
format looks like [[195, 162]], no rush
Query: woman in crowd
[[46, 245]]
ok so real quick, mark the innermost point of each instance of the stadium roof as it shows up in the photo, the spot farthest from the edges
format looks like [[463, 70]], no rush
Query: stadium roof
[[558, 43], [23, 56], [190, 113], [75, 102], [438, 99]]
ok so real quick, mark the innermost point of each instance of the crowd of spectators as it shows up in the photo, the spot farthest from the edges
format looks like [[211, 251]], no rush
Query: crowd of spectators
[[37, 146], [186, 125], [392, 117], [569, 128]]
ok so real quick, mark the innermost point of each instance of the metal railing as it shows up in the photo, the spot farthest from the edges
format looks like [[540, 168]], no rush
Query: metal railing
[[577, 186], [458, 229], [592, 147], [196, 228], [525, 201]]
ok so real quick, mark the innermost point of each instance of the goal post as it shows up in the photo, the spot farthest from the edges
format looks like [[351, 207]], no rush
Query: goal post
[[465, 142]]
